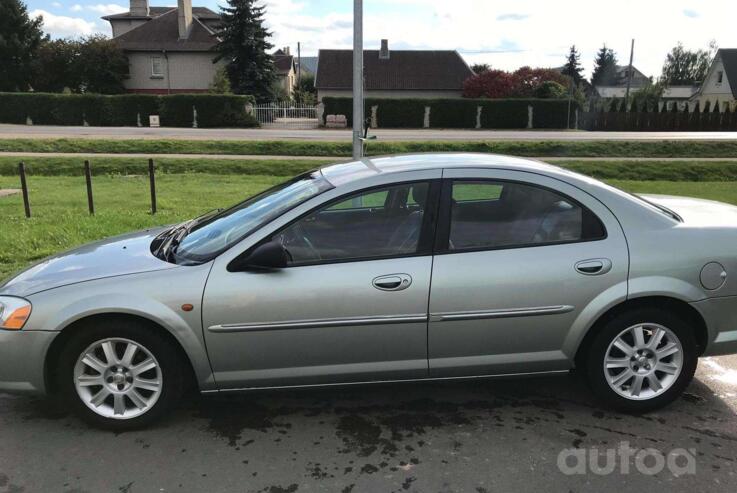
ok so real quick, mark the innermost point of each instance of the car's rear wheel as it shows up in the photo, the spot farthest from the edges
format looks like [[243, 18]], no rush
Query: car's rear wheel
[[119, 375], [641, 360]]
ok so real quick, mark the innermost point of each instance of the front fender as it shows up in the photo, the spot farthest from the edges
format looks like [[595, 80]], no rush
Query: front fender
[[148, 296]]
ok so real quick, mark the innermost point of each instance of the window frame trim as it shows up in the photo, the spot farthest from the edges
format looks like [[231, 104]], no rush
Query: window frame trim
[[161, 66], [442, 237], [425, 243]]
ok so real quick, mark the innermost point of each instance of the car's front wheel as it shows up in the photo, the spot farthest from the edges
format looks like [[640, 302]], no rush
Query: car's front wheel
[[641, 360], [119, 375]]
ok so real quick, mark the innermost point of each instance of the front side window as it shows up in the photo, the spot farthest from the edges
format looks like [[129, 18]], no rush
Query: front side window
[[157, 67], [720, 77], [487, 215], [223, 230], [379, 223]]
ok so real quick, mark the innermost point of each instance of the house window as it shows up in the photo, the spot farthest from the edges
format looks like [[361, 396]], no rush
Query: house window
[[157, 67], [720, 77]]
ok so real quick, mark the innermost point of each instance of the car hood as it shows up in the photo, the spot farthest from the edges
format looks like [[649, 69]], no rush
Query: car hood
[[697, 212], [121, 255]]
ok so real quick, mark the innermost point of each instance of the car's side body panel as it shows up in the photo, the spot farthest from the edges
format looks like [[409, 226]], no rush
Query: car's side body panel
[[512, 310], [318, 324]]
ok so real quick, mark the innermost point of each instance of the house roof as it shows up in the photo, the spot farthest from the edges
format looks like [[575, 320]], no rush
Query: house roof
[[283, 63], [201, 12], [404, 70], [309, 64], [162, 33], [729, 60]]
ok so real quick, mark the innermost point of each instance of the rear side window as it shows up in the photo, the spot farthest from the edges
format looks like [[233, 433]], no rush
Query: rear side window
[[488, 214]]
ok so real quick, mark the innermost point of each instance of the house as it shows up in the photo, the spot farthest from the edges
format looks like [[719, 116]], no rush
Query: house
[[286, 71], [170, 49], [393, 74], [618, 87], [720, 84]]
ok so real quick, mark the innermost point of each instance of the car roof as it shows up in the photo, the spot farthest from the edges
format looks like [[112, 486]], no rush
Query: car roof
[[341, 174]]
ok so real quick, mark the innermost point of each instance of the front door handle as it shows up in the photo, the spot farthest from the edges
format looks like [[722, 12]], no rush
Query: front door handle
[[393, 282], [594, 267]]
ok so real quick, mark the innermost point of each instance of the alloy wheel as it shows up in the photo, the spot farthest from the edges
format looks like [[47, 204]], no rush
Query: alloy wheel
[[643, 361], [118, 378]]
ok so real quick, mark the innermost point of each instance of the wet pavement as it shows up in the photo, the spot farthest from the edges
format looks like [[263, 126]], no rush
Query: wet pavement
[[538, 434]]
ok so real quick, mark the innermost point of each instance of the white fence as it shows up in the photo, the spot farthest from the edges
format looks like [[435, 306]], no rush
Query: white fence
[[287, 115]]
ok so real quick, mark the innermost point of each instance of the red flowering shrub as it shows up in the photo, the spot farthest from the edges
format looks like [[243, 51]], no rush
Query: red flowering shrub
[[523, 83], [491, 84]]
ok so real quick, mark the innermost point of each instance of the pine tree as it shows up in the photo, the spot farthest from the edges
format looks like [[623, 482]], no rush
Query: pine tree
[[605, 67], [244, 46], [20, 38], [573, 68]]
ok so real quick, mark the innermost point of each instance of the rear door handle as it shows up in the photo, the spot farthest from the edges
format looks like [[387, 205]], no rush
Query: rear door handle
[[393, 282], [594, 267]]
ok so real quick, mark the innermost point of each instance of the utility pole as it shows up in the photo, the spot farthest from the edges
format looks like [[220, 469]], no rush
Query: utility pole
[[629, 77], [358, 79], [299, 64]]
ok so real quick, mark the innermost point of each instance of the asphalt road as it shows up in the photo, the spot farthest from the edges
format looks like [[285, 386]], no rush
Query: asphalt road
[[480, 436], [45, 132]]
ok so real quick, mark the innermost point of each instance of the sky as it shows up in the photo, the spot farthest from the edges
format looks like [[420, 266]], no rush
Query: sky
[[506, 35]]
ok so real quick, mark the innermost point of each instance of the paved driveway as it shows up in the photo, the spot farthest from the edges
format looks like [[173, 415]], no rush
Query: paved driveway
[[42, 132], [478, 436]]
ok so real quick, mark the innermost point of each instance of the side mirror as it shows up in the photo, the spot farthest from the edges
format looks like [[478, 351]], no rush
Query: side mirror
[[269, 256]]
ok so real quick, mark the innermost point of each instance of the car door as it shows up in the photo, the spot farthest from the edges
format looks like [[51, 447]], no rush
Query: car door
[[521, 259], [350, 307]]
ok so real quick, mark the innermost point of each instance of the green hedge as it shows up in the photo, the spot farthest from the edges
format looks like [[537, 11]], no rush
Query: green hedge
[[458, 113], [125, 110]]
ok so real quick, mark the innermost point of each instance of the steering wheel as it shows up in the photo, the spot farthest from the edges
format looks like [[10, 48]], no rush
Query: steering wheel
[[299, 233]]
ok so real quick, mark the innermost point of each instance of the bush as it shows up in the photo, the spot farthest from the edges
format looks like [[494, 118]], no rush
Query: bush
[[458, 113], [125, 110]]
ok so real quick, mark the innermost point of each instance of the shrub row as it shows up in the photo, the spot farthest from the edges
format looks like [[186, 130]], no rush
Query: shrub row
[[457, 113], [128, 110]]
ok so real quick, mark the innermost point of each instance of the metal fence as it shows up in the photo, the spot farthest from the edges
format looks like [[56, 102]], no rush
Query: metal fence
[[287, 115]]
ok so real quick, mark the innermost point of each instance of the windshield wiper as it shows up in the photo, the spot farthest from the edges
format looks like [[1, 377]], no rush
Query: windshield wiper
[[172, 238]]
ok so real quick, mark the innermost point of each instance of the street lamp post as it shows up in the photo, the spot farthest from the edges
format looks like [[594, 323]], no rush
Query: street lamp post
[[358, 117]]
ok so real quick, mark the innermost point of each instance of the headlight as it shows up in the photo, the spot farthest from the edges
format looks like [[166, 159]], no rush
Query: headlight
[[14, 312]]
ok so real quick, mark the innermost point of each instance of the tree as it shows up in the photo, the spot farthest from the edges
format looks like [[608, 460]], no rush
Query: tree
[[480, 68], [244, 46], [551, 90], [528, 80], [605, 67], [220, 82], [491, 84], [20, 38], [101, 65], [304, 91], [54, 67], [573, 68], [648, 97], [686, 67]]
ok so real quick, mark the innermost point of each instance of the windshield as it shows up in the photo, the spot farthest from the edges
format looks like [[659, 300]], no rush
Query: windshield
[[218, 233]]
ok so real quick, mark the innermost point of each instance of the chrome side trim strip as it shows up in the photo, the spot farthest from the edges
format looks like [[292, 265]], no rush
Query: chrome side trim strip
[[504, 313], [382, 382], [314, 324]]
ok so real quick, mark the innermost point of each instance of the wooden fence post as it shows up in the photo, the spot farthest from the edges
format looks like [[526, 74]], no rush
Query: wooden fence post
[[88, 179], [24, 187], [152, 181]]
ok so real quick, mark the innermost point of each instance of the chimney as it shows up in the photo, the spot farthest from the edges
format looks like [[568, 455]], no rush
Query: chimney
[[139, 8], [185, 18], [384, 53]]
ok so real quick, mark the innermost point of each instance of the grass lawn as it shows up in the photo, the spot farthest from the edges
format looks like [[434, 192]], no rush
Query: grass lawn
[[61, 221], [312, 148]]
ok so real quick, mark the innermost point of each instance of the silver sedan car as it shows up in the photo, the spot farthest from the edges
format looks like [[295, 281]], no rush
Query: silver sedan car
[[394, 269]]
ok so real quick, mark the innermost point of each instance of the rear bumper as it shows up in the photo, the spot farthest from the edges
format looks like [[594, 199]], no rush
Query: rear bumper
[[22, 357], [720, 315]]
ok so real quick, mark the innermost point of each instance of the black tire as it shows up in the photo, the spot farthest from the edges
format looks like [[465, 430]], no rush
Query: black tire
[[595, 355], [170, 366]]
